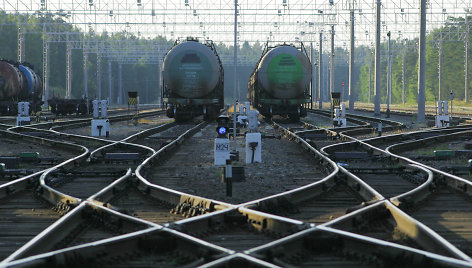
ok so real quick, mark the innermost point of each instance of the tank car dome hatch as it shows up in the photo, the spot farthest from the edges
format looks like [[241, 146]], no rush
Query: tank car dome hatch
[[284, 72], [191, 70]]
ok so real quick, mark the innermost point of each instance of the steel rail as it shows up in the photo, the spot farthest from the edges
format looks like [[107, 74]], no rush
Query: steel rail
[[322, 239], [59, 230], [181, 200]]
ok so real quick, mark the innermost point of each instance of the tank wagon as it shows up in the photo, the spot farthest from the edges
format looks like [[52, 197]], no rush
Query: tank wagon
[[280, 82], [19, 82], [192, 80]]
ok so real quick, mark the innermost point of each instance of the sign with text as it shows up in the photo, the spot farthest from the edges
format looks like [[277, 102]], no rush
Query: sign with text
[[222, 151]]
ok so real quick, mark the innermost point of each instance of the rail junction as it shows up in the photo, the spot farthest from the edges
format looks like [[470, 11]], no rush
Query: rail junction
[[152, 196], [351, 156]]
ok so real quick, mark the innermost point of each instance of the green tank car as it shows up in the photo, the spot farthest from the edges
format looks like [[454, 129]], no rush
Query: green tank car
[[280, 83], [192, 80]]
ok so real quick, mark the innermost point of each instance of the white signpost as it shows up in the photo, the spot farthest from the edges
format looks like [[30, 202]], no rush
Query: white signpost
[[253, 147], [253, 139], [442, 117], [222, 151], [340, 116], [23, 117], [253, 123], [100, 122]]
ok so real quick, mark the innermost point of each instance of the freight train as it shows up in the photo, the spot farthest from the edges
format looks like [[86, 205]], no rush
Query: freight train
[[280, 82], [192, 80], [19, 82]]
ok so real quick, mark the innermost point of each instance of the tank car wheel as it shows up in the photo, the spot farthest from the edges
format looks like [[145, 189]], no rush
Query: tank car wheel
[[294, 117], [211, 114], [170, 112], [303, 113], [182, 117]]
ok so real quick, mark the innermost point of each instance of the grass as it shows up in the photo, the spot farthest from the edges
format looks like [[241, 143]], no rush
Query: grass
[[458, 103], [219, 173], [429, 151]]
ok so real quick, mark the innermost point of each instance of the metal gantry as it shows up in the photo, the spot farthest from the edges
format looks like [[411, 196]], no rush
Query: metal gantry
[[273, 19], [21, 41], [126, 53]]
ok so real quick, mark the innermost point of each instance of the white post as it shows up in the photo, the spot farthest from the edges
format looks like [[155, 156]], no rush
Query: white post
[[23, 117]]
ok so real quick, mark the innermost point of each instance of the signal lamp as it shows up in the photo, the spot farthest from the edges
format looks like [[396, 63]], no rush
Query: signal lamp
[[222, 128]]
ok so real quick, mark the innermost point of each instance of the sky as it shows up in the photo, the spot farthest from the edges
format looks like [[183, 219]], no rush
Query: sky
[[258, 20]]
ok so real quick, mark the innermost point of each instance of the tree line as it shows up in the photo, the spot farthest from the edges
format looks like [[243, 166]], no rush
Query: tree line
[[450, 38], [144, 78]]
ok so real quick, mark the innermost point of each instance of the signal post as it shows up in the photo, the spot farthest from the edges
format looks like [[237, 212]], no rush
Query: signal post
[[222, 148]]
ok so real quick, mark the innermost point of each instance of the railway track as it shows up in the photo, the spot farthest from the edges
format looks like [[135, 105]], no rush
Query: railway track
[[274, 218], [376, 169], [60, 188], [190, 169], [430, 110], [447, 211], [24, 211], [360, 127], [328, 247], [118, 201], [24, 215], [448, 152], [377, 228], [445, 208], [380, 229], [22, 155], [320, 202]]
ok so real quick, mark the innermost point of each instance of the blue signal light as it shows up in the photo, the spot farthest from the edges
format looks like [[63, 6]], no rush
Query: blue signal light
[[222, 130]]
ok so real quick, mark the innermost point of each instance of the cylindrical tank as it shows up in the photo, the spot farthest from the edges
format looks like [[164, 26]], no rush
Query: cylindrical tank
[[191, 70], [34, 83], [19, 82], [11, 81], [284, 72]]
